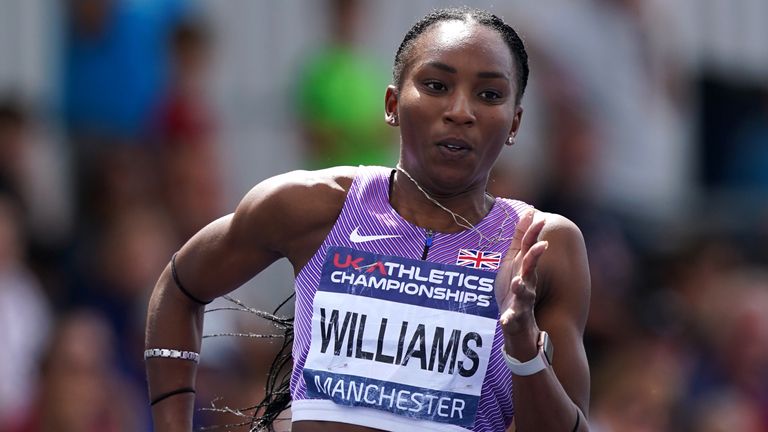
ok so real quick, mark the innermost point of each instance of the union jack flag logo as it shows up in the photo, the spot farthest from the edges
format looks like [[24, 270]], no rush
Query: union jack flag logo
[[478, 259]]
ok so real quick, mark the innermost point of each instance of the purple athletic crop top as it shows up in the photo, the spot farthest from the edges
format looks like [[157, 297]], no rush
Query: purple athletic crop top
[[386, 339]]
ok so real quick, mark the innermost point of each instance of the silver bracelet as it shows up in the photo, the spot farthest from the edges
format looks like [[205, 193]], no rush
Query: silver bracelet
[[172, 354]]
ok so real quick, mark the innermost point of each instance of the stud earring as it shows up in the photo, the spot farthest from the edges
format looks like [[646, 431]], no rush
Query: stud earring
[[510, 140], [393, 120]]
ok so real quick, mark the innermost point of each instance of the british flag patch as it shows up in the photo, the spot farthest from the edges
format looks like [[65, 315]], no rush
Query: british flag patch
[[478, 259]]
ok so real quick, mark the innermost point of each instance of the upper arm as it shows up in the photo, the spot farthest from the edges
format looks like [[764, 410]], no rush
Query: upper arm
[[563, 305], [273, 217]]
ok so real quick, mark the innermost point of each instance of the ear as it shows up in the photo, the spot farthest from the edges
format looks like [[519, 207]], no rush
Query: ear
[[515, 125], [390, 106]]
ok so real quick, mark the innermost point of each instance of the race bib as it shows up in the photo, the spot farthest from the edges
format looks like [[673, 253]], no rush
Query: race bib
[[405, 336]]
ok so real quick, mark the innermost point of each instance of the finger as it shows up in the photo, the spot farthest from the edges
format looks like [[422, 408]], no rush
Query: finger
[[532, 236], [517, 286], [522, 227], [524, 293], [504, 290], [531, 260]]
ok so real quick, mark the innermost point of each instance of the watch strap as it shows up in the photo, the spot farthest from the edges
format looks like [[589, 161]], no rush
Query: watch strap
[[537, 364]]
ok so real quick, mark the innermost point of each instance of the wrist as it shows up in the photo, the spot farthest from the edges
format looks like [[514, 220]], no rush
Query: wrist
[[522, 344], [542, 359]]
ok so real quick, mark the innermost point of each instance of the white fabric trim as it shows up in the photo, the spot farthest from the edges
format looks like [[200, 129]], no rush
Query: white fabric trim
[[325, 410]]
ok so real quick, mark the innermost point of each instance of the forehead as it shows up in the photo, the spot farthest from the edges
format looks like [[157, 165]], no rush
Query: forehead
[[476, 45]]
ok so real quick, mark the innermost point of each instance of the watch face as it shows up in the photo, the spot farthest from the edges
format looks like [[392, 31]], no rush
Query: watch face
[[546, 346]]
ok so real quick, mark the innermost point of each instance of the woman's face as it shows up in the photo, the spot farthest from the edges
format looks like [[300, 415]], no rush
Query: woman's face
[[456, 106]]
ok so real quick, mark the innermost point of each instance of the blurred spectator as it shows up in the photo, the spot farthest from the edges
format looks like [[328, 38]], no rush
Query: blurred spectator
[[570, 137], [710, 310], [24, 318], [121, 177], [12, 125], [726, 412], [191, 189], [115, 70], [80, 390], [637, 388], [617, 55], [118, 269], [730, 319], [339, 132], [115, 63], [184, 131], [184, 118], [32, 175]]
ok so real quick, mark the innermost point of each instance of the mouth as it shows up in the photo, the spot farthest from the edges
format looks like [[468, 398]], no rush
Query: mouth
[[454, 145]]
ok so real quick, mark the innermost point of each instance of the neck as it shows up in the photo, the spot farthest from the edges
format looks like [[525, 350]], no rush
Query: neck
[[439, 212]]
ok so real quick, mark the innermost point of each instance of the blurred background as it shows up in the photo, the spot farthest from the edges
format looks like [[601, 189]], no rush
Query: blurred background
[[127, 125]]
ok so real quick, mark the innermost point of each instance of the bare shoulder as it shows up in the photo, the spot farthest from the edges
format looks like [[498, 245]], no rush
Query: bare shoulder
[[290, 208], [298, 192], [559, 227], [288, 216], [564, 267]]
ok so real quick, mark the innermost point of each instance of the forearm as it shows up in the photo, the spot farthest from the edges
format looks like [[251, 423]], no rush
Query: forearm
[[173, 322], [541, 403], [554, 396]]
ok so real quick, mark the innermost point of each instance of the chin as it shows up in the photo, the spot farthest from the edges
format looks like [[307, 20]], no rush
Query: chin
[[450, 180]]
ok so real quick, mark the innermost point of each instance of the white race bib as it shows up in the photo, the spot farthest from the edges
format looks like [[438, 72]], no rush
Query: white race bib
[[404, 336]]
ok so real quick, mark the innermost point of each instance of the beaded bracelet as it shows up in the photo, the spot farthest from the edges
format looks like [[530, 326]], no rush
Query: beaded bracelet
[[172, 354]]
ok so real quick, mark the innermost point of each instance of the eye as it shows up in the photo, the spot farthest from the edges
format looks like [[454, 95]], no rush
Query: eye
[[435, 86], [491, 95]]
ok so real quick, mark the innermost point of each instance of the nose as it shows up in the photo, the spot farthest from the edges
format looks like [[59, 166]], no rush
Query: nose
[[459, 110]]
